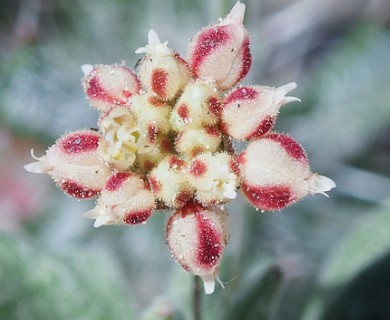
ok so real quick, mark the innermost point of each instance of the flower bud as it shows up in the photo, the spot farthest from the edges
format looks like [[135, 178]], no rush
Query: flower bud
[[168, 182], [215, 177], [108, 86], [124, 200], [197, 106], [196, 238], [221, 51], [162, 71], [191, 141], [74, 164], [277, 173], [152, 115], [250, 112]]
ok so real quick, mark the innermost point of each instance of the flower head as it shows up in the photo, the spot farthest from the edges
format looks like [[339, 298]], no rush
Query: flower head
[[164, 141]]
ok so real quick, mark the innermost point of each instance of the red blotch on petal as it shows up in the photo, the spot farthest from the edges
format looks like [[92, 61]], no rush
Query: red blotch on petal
[[176, 163], [212, 130], [183, 111], [290, 146], [154, 185], [115, 181], [138, 216], [215, 106], [207, 42], [263, 127], [246, 58], [159, 82], [197, 168], [268, 197], [79, 142], [243, 93], [242, 158], [76, 190], [235, 166], [152, 133], [96, 91], [209, 242]]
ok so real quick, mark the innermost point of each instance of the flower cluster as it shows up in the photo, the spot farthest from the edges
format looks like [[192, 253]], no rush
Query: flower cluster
[[165, 143]]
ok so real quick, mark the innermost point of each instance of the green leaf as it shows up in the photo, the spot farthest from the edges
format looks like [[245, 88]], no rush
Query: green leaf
[[42, 285], [253, 300], [365, 244]]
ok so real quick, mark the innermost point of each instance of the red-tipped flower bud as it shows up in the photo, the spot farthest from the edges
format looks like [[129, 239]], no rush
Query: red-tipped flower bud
[[221, 51], [277, 173], [198, 106], [250, 112], [108, 86], [191, 141], [74, 164], [152, 115], [124, 200], [168, 182], [162, 71], [196, 238]]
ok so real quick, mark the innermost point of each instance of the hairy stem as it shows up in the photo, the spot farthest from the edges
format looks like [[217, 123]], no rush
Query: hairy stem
[[197, 298]]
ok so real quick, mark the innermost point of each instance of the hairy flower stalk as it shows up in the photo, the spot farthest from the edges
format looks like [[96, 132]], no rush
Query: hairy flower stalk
[[162, 139]]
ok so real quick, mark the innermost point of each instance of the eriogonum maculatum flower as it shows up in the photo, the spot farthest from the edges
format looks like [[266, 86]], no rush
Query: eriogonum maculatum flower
[[250, 112], [165, 141], [107, 86], [196, 106], [124, 200], [277, 173], [169, 182], [192, 141], [221, 51], [197, 237], [215, 177], [74, 164], [163, 72]]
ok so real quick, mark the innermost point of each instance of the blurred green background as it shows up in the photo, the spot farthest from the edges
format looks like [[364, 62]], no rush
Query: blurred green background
[[321, 259]]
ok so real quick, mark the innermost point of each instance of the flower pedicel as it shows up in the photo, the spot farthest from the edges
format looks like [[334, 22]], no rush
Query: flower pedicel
[[164, 143]]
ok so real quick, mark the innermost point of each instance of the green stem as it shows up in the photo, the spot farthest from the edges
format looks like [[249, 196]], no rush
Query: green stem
[[197, 298]]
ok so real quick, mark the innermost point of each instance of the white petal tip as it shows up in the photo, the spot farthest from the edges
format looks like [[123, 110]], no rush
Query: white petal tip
[[237, 13], [320, 184], [33, 167], [153, 39], [230, 194], [97, 224], [287, 88], [100, 221], [209, 286], [86, 69], [154, 45], [286, 100], [140, 50]]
